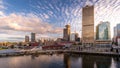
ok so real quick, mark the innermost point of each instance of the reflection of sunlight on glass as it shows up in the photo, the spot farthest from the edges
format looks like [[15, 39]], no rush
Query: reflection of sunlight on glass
[[113, 64]]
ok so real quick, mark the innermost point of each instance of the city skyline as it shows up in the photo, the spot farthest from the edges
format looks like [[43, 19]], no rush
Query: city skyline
[[50, 17]]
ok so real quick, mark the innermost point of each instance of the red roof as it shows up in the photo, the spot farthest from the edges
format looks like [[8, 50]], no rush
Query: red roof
[[51, 46], [35, 44]]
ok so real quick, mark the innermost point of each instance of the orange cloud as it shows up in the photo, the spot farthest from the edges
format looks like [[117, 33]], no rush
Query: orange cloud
[[27, 23]]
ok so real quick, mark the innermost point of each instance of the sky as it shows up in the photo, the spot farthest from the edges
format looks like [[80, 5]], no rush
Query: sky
[[47, 18]]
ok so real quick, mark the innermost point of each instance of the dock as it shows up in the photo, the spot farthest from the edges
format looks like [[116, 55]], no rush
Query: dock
[[28, 52]]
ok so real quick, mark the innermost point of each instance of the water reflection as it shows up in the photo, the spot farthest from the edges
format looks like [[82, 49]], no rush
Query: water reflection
[[67, 61], [60, 61], [100, 62], [116, 62], [84, 61], [34, 56]]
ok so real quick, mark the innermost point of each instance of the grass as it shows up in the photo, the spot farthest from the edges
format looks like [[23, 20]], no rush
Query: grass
[[1, 48]]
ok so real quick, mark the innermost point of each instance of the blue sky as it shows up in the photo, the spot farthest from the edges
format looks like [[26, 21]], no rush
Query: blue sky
[[47, 18]]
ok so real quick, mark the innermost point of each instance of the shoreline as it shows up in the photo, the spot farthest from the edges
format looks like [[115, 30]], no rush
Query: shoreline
[[50, 52]]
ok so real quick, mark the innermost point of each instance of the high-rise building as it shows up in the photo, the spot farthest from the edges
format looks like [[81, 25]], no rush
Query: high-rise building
[[72, 37], [103, 36], [116, 37], [26, 38], [103, 31], [66, 33], [33, 37], [88, 25], [117, 30]]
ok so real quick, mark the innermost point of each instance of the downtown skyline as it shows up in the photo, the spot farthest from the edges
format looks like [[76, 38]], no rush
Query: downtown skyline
[[47, 18]]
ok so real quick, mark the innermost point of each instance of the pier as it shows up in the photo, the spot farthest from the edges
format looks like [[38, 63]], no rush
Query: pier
[[50, 52]]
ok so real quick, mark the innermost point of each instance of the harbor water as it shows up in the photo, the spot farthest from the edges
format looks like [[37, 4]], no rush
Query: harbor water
[[59, 61]]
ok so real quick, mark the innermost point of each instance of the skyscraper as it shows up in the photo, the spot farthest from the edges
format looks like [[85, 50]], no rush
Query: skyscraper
[[103, 36], [32, 37], [103, 31], [116, 37], [72, 37], [117, 30], [26, 38], [88, 25], [66, 33]]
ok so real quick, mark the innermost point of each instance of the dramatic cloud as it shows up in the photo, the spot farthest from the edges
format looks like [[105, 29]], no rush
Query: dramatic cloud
[[20, 24], [27, 23], [69, 12], [48, 17], [108, 10]]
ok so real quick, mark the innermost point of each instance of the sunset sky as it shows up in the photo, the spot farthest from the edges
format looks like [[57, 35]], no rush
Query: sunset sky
[[47, 18]]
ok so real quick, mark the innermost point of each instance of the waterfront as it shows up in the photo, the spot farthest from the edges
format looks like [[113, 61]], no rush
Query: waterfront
[[59, 61]]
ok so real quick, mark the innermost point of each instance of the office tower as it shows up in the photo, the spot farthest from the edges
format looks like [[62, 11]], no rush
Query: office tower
[[103, 35], [26, 38], [88, 25], [103, 31], [32, 37], [117, 30], [116, 37], [72, 37], [66, 33]]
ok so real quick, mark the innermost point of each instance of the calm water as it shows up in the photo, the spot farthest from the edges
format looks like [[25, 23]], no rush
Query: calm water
[[59, 61]]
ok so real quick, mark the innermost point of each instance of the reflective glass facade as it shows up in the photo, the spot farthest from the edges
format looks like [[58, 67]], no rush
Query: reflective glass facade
[[103, 31]]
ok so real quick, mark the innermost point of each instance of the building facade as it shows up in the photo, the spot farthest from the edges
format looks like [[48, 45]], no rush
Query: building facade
[[117, 30], [33, 39], [103, 35], [116, 37], [88, 25], [26, 38], [72, 37], [103, 31], [66, 33]]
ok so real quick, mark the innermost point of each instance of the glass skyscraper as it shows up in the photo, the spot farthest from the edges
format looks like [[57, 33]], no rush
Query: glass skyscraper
[[103, 31]]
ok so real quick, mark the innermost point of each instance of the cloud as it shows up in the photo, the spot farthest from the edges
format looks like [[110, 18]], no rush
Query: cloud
[[1, 13], [47, 16], [107, 10], [27, 23], [1, 4], [15, 26]]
